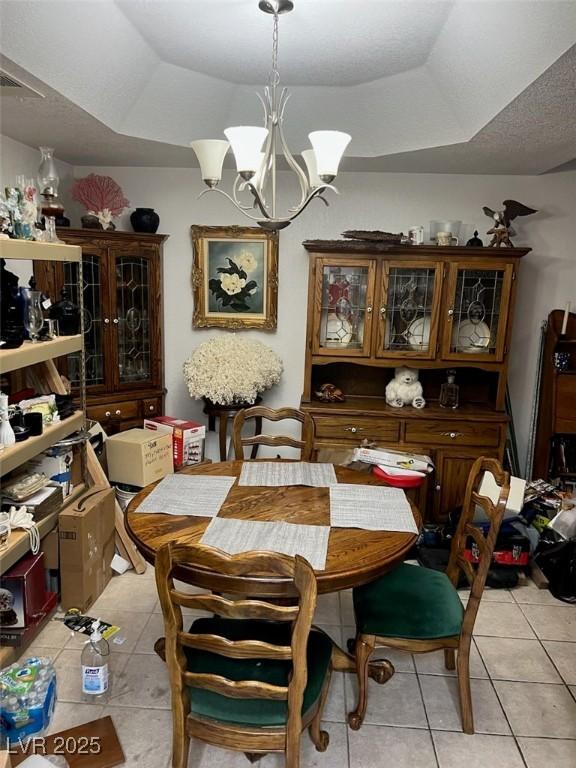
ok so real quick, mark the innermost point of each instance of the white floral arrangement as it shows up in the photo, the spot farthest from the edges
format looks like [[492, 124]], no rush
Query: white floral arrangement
[[229, 369]]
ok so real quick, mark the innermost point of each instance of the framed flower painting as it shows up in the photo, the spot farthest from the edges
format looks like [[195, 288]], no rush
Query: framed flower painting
[[235, 277]]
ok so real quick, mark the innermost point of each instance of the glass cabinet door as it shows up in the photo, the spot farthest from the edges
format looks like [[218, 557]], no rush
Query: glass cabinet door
[[94, 283], [477, 308], [344, 295], [133, 292], [408, 311]]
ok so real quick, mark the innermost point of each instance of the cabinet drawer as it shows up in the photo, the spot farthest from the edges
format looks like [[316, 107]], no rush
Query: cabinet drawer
[[128, 409], [452, 433], [356, 428], [151, 406]]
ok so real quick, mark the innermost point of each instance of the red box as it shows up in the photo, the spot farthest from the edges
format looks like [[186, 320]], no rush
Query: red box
[[24, 592], [18, 637], [187, 438]]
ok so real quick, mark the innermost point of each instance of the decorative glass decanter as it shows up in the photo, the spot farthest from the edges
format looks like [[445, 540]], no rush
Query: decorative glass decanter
[[449, 391]]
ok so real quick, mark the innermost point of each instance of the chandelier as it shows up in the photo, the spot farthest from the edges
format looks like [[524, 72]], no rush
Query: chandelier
[[255, 149]]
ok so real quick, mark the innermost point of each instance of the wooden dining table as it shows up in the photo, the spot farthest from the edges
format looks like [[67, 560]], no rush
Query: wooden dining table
[[355, 556]]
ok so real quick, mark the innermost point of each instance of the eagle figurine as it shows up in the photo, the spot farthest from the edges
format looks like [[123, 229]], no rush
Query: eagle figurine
[[502, 231]]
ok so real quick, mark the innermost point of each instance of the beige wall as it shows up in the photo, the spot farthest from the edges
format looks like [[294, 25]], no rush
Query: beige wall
[[390, 202]]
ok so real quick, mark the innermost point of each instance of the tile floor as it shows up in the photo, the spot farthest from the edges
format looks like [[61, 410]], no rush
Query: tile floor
[[524, 690]]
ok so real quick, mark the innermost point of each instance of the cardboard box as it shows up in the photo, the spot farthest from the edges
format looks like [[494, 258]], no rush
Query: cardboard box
[[50, 547], [139, 457], [24, 593], [86, 537], [187, 438], [58, 468]]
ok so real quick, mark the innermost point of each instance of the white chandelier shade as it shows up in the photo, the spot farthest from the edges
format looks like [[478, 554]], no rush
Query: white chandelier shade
[[210, 154], [328, 147], [246, 142], [309, 158], [256, 148]]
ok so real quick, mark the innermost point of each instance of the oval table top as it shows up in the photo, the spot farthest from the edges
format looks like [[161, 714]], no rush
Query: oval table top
[[355, 556]]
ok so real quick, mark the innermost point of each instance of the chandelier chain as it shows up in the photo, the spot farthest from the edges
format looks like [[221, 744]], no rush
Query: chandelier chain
[[274, 74]]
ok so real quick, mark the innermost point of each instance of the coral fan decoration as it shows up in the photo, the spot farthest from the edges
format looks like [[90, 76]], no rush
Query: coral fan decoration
[[100, 195]]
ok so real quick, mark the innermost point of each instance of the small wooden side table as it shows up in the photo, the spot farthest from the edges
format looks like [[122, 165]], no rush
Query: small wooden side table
[[224, 413]]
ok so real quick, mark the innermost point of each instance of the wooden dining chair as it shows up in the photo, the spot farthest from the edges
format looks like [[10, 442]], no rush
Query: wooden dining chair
[[252, 677], [418, 610], [305, 444]]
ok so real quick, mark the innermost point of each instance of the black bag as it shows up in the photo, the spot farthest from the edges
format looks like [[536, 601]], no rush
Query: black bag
[[557, 559]]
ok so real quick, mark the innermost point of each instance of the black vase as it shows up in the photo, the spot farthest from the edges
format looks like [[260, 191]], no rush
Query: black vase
[[67, 314], [145, 220]]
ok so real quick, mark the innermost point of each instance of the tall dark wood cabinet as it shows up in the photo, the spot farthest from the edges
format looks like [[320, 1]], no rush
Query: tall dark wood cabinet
[[373, 307], [555, 439], [124, 357]]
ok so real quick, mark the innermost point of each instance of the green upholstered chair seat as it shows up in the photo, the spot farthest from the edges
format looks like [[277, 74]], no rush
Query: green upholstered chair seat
[[409, 602], [257, 712]]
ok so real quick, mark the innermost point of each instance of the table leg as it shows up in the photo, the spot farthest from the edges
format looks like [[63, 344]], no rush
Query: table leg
[[211, 423], [223, 431], [257, 431]]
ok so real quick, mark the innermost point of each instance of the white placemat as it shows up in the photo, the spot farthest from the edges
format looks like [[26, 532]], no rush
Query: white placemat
[[199, 495], [371, 507], [275, 473]]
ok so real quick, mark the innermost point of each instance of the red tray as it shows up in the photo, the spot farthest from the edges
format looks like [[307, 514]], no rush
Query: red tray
[[398, 481]]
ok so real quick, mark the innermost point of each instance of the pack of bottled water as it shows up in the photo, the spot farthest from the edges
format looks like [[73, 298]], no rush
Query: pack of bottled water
[[27, 699]]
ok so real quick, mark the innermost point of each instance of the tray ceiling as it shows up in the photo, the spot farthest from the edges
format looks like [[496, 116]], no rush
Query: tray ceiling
[[468, 86]]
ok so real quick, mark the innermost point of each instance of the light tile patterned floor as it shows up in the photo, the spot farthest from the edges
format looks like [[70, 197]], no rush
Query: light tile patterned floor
[[524, 690]]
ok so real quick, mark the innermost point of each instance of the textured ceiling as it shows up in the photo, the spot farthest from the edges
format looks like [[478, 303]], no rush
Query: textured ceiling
[[325, 42], [454, 92]]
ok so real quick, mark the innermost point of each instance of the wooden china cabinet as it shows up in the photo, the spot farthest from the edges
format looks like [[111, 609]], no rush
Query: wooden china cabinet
[[122, 322], [372, 307]]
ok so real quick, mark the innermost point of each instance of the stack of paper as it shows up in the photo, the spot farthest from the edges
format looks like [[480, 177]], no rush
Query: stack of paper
[[372, 507], [235, 536], [200, 495], [274, 473], [389, 458]]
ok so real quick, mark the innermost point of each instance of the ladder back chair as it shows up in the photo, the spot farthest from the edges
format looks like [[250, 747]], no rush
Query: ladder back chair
[[417, 609], [305, 444], [253, 676]]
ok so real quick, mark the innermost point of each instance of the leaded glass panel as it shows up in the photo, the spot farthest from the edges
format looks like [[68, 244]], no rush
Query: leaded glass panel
[[343, 311]]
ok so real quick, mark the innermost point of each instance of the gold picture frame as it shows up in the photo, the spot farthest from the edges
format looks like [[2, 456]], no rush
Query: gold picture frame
[[234, 277]]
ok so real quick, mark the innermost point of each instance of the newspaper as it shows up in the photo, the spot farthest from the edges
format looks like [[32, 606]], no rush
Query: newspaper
[[371, 507], [276, 473], [235, 536], [198, 495], [399, 459]]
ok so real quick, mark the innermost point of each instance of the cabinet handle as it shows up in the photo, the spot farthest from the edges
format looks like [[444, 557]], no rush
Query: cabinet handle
[[452, 435], [106, 321], [115, 321], [150, 407], [438, 488], [368, 310], [107, 414], [382, 311], [118, 412], [353, 429], [450, 312]]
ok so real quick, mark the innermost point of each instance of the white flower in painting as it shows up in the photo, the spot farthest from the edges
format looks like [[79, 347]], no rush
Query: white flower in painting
[[229, 369], [246, 261], [232, 284]]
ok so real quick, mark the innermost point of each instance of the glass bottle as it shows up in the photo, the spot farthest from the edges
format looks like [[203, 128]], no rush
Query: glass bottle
[[449, 391]]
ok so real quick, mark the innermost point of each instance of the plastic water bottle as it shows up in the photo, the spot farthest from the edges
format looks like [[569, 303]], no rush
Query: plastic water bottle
[[95, 674]]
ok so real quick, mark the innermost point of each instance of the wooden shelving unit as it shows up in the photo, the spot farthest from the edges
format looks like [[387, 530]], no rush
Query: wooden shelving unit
[[14, 456], [19, 453], [19, 542], [28, 250], [31, 353]]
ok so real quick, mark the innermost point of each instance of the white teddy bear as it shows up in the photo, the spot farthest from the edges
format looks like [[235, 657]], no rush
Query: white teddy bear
[[405, 389]]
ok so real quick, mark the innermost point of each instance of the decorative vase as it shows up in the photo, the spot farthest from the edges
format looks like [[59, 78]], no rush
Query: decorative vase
[[145, 220], [67, 314], [89, 221]]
